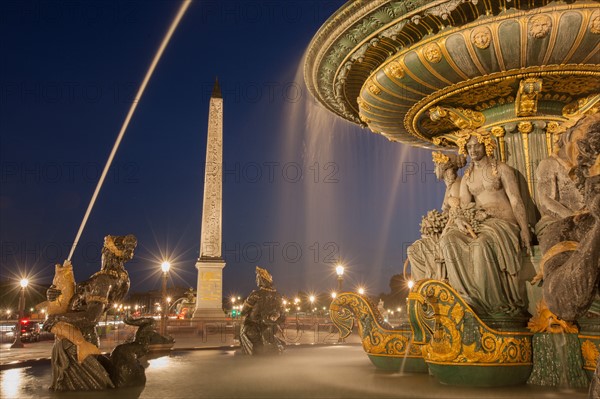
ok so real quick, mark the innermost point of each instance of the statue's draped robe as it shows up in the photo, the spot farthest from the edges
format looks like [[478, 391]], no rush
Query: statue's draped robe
[[422, 256], [485, 270]]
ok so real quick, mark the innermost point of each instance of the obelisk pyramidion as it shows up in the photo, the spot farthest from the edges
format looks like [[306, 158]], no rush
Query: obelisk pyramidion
[[210, 264]]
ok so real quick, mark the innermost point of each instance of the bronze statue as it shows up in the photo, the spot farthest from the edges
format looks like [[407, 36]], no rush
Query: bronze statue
[[571, 246], [482, 243], [76, 360], [263, 316]]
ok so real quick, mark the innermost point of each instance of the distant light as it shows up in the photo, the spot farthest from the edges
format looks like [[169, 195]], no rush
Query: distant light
[[24, 283], [31, 309], [323, 307], [361, 291], [411, 284], [169, 299], [311, 298], [333, 295], [398, 309], [165, 267], [284, 302], [339, 269], [296, 300]]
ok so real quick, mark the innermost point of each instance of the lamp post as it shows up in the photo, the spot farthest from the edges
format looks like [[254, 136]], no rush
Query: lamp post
[[339, 270], [18, 343], [163, 317]]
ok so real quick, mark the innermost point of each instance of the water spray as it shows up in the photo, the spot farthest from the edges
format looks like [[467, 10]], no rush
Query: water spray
[[182, 9]]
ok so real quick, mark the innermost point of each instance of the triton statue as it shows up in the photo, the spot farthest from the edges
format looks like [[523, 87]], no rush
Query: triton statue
[[558, 197], [571, 246], [263, 315], [77, 364]]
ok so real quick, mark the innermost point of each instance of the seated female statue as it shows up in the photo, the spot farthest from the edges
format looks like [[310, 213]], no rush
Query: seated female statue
[[424, 254], [483, 255]]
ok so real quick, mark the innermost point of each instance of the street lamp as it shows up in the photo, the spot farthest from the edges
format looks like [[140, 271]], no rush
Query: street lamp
[[339, 270], [18, 343], [361, 290], [163, 317]]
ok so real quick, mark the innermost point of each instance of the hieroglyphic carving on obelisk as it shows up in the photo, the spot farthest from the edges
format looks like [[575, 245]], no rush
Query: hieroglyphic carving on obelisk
[[210, 264]]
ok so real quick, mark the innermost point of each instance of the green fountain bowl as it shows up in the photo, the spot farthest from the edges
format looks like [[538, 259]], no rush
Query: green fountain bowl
[[403, 364]]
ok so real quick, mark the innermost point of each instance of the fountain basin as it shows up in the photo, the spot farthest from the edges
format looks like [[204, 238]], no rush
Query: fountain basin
[[304, 371]]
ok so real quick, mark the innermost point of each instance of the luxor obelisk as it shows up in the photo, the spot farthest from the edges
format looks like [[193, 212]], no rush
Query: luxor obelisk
[[210, 264]]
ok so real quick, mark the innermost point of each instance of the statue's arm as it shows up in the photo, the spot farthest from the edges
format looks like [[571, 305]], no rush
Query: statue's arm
[[546, 181], [249, 304], [465, 194], [571, 278], [509, 181]]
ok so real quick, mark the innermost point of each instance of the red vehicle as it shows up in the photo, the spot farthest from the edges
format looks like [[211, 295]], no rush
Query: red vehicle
[[30, 330]]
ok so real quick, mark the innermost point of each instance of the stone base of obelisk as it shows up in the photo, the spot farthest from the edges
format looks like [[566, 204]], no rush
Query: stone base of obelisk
[[209, 299]]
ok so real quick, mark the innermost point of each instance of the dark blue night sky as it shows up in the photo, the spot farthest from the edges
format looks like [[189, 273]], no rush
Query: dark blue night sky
[[302, 188]]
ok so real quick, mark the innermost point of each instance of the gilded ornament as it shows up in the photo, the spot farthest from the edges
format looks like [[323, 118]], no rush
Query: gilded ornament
[[374, 89], [583, 106], [595, 24], [432, 53], [525, 127], [394, 70], [539, 26], [439, 157], [572, 85], [439, 317], [527, 96], [547, 322], [481, 37], [553, 127], [498, 131], [483, 93], [363, 104], [463, 118], [364, 118], [378, 337], [590, 354]]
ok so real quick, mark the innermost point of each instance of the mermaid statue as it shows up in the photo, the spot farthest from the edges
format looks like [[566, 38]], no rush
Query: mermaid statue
[[571, 246]]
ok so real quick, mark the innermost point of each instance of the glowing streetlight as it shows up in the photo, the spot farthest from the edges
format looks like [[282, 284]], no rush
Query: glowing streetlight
[[18, 343], [165, 267], [361, 290], [333, 295], [339, 270], [410, 284]]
